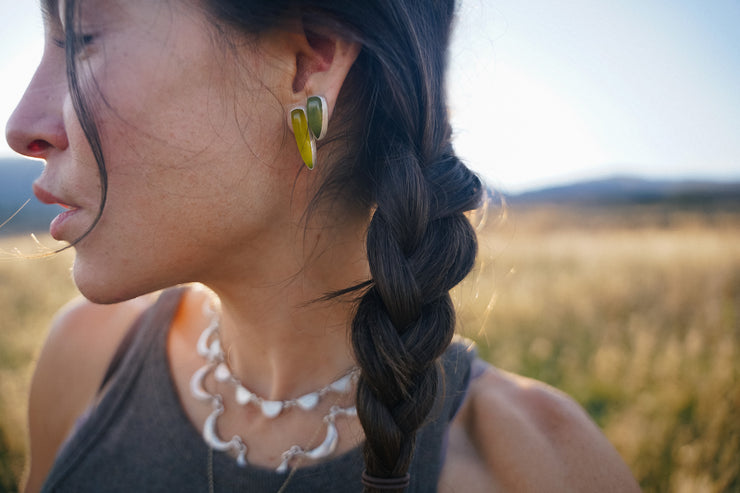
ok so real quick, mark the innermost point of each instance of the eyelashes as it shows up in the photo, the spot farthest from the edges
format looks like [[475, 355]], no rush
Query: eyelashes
[[82, 42]]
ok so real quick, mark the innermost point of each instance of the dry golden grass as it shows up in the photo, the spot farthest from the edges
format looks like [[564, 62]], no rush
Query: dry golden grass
[[635, 314], [640, 322], [30, 292]]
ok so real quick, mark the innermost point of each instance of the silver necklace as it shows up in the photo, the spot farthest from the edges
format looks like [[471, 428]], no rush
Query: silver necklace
[[209, 347]]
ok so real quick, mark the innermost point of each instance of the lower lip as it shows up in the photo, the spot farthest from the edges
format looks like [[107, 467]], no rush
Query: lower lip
[[55, 228]]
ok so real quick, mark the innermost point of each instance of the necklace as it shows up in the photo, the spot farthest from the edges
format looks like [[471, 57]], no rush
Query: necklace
[[209, 347]]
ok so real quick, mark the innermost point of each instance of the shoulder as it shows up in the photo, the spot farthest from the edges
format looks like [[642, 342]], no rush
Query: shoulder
[[82, 340], [522, 435]]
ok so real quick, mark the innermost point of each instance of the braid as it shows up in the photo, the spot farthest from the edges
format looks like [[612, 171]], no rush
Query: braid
[[419, 242], [419, 245]]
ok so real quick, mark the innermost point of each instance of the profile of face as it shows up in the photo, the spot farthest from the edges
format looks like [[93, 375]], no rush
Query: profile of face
[[195, 140]]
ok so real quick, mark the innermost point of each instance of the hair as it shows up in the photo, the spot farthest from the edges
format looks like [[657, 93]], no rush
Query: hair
[[402, 167]]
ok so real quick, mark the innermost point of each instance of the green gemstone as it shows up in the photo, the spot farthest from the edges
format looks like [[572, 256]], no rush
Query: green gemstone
[[316, 118]]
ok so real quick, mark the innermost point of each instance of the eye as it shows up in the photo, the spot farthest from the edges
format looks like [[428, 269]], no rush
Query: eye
[[83, 41]]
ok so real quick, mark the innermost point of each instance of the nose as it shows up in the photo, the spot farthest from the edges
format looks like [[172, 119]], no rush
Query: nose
[[36, 127]]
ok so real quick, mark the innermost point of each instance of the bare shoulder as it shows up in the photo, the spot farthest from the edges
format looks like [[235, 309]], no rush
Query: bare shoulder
[[79, 347], [518, 434]]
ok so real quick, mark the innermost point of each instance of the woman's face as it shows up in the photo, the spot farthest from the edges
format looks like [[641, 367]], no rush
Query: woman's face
[[194, 137]]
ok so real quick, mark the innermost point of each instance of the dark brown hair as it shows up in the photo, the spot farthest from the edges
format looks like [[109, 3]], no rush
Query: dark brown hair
[[402, 167]]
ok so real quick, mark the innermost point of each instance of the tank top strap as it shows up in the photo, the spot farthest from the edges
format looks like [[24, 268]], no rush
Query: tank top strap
[[458, 361]]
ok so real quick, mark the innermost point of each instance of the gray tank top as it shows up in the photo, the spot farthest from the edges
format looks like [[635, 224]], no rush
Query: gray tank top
[[138, 438]]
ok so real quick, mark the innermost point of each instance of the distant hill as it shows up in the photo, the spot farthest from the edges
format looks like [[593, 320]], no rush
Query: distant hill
[[16, 177], [632, 191]]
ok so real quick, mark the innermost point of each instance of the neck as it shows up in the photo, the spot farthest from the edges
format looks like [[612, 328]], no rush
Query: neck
[[281, 338]]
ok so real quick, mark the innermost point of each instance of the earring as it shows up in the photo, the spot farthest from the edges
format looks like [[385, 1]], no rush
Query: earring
[[309, 125], [304, 139], [318, 116]]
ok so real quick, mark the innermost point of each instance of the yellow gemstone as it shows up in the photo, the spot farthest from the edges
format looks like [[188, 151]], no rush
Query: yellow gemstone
[[306, 144]]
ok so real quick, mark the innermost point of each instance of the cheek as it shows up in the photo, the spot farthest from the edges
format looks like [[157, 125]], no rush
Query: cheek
[[177, 117], [200, 154], [189, 157]]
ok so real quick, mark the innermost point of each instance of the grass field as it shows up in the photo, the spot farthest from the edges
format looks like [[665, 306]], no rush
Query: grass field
[[635, 313], [30, 292]]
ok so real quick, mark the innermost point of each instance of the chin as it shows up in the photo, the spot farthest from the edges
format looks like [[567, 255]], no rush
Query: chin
[[103, 286], [103, 294]]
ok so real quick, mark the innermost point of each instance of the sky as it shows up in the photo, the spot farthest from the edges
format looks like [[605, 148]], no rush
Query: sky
[[549, 91]]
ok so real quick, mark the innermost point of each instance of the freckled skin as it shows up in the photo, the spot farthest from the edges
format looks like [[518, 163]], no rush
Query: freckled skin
[[193, 164]]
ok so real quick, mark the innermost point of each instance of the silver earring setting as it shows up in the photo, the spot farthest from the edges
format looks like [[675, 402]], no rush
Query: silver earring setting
[[309, 124]]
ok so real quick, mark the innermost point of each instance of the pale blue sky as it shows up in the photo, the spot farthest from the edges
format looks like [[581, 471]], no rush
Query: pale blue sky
[[545, 91]]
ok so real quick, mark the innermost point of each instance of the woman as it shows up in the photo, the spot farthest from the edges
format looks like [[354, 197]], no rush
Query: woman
[[177, 135]]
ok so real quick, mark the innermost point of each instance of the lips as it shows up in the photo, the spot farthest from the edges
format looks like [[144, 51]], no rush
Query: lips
[[47, 198], [56, 226]]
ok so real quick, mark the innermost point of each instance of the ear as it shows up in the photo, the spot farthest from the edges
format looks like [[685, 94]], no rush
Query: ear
[[322, 63]]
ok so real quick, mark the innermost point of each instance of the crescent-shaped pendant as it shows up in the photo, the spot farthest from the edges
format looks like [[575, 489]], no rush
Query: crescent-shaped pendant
[[328, 445], [196, 383]]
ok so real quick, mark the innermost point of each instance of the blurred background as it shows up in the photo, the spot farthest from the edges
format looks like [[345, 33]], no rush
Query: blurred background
[[545, 92], [610, 251]]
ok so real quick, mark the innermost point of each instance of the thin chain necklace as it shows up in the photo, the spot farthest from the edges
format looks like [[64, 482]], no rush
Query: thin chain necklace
[[209, 347]]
